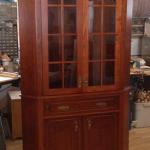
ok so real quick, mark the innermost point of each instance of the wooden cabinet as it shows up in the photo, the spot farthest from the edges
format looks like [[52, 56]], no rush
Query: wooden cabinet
[[75, 71]]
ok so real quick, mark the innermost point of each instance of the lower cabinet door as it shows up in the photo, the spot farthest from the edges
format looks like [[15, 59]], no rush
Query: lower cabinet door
[[62, 134], [100, 132]]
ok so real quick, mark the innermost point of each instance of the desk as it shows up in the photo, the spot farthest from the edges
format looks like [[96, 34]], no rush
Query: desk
[[6, 78], [16, 113]]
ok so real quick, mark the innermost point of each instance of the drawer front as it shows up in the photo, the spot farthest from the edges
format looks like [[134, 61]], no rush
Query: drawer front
[[54, 108]]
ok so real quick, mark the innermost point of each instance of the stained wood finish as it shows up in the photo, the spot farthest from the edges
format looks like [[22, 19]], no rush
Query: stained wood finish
[[101, 132], [64, 110], [63, 134]]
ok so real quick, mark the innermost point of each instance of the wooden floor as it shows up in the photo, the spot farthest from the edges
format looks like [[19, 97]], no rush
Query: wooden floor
[[139, 140], [14, 145]]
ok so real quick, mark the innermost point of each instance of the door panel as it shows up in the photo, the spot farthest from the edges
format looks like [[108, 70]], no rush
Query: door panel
[[101, 132], [62, 134], [61, 29]]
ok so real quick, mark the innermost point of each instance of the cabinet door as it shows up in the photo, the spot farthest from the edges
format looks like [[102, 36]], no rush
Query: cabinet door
[[61, 22], [101, 132], [62, 135], [103, 44]]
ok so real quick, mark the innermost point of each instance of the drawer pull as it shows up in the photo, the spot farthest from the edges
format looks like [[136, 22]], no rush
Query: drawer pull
[[63, 108], [101, 104]]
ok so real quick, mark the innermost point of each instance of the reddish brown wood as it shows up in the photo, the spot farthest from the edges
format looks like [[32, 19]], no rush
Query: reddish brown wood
[[101, 132], [63, 134], [99, 114]]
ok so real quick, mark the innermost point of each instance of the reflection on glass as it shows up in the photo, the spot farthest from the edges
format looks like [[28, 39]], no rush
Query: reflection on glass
[[70, 75], [109, 19], [109, 47], [70, 48], [108, 73], [110, 2], [94, 74], [55, 73], [54, 20], [70, 1], [70, 20], [54, 48], [54, 1], [94, 47], [94, 19]]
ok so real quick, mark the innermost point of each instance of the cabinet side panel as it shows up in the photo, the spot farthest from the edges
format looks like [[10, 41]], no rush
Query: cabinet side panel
[[126, 45], [28, 50], [32, 124]]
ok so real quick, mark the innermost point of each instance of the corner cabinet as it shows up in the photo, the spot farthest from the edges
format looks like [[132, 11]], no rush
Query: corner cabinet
[[75, 70]]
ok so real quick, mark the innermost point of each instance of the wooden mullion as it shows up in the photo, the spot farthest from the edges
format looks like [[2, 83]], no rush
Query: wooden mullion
[[102, 40], [62, 41], [60, 5]]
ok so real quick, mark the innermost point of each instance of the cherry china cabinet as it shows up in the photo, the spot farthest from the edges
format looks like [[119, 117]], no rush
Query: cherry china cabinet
[[74, 67]]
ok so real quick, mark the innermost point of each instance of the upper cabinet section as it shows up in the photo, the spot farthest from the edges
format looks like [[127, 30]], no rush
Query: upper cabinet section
[[81, 45]]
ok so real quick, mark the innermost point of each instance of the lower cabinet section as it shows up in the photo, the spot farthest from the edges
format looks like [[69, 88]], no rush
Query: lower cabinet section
[[97, 132]]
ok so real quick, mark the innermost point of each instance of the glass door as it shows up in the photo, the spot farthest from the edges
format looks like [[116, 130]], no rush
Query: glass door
[[103, 43], [81, 45], [61, 33]]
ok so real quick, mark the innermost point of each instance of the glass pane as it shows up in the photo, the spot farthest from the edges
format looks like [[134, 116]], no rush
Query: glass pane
[[94, 74], [54, 48], [110, 2], [70, 20], [70, 1], [55, 76], [94, 19], [108, 73], [70, 43], [54, 20], [109, 47], [70, 75], [94, 47], [109, 19], [54, 1]]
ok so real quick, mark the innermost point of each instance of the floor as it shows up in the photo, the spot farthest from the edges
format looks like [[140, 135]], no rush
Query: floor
[[139, 140]]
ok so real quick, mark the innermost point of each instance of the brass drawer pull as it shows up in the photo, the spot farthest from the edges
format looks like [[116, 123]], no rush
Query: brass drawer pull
[[101, 104], [63, 108]]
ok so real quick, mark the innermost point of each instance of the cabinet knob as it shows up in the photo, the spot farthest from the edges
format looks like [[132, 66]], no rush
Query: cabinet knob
[[63, 108], [76, 126], [89, 121]]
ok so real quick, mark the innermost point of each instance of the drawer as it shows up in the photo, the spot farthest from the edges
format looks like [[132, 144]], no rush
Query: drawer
[[54, 108]]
